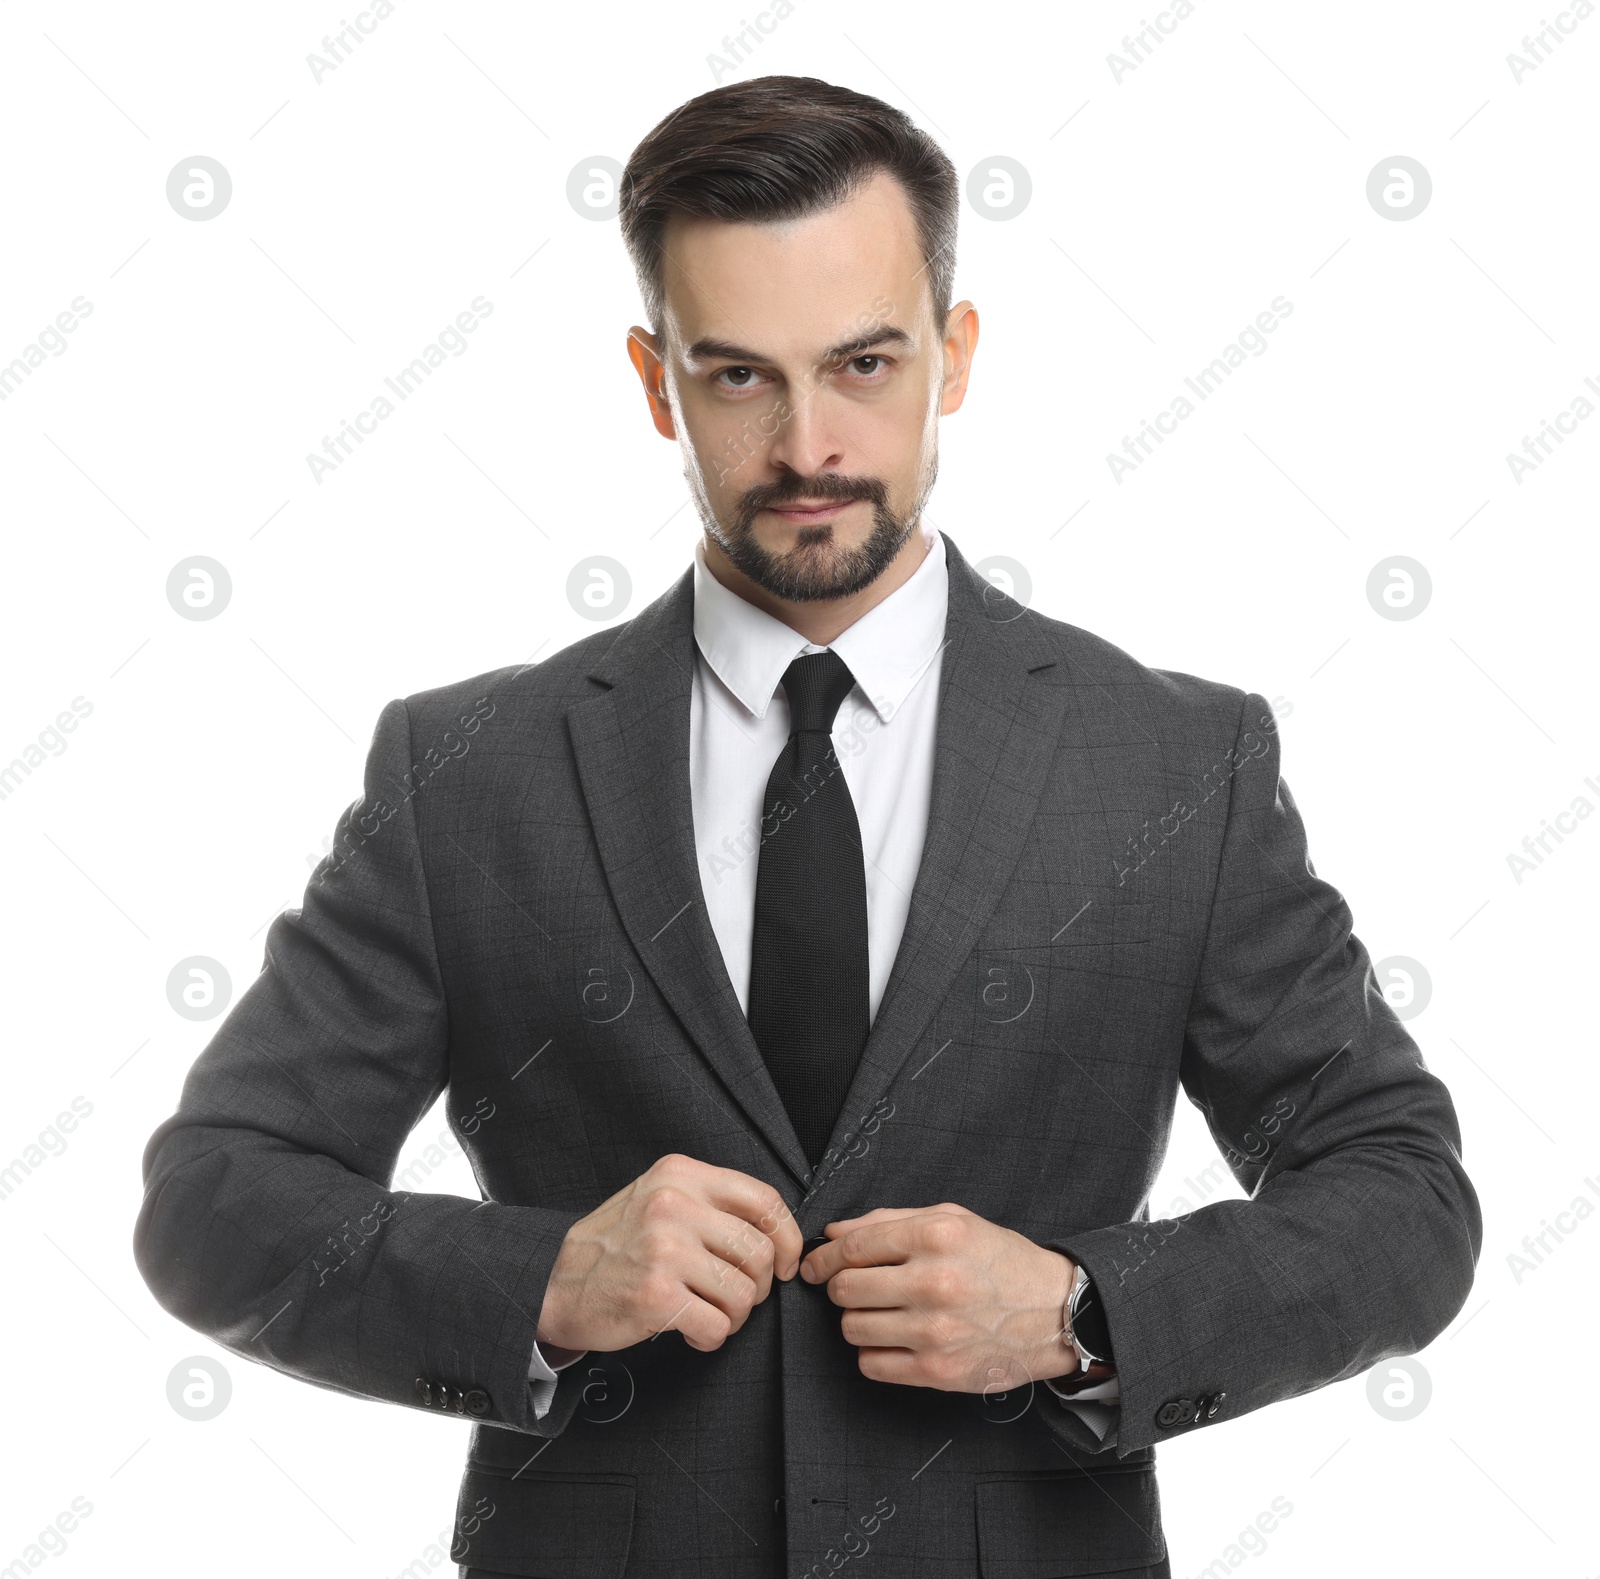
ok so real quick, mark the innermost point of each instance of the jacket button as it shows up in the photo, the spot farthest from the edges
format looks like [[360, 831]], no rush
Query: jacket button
[[425, 1393], [1174, 1412], [1214, 1405], [477, 1402]]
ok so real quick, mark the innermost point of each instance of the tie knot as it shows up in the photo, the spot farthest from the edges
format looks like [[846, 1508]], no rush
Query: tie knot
[[816, 684]]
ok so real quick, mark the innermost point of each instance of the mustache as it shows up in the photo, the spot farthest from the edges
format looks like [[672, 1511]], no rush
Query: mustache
[[826, 485]]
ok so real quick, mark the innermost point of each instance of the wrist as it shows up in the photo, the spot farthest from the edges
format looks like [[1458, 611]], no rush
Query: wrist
[[557, 1357], [1086, 1325], [549, 1336], [1057, 1355], [562, 1318], [553, 1331]]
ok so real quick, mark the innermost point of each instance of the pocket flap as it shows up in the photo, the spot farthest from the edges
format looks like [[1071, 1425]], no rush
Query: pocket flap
[[1066, 1525], [543, 1526]]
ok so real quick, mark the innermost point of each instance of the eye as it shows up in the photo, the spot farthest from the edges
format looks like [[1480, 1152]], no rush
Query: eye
[[738, 377], [871, 367]]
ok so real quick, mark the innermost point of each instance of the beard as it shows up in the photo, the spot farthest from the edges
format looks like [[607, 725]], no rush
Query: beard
[[816, 568]]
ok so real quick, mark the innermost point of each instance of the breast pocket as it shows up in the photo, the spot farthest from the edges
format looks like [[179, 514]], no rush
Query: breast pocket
[[1026, 971]]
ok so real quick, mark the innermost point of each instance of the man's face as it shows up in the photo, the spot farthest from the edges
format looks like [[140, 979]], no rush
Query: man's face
[[800, 370]]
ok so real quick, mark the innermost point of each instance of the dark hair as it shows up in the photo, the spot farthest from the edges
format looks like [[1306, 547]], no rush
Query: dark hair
[[776, 148]]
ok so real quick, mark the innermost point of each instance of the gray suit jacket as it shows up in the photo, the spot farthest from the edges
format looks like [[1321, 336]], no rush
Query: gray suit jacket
[[1114, 902]]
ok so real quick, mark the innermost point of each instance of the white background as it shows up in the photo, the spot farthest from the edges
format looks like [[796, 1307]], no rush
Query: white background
[[1167, 210]]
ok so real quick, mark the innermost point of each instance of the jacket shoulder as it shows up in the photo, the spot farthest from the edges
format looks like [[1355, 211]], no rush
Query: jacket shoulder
[[560, 678], [1184, 703]]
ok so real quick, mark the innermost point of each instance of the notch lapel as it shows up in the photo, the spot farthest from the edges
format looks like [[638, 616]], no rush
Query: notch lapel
[[997, 732], [632, 750]]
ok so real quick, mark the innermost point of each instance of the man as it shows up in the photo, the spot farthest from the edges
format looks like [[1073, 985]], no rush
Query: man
[[813, 963]]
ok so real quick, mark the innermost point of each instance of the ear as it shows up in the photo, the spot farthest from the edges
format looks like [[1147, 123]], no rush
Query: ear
[[645, 354], [960, 342]]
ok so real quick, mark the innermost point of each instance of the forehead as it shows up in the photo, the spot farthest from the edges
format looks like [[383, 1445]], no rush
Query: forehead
[[795, 285]]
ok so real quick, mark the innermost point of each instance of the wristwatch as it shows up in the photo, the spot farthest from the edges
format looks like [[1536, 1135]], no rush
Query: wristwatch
[[1085, 1326]]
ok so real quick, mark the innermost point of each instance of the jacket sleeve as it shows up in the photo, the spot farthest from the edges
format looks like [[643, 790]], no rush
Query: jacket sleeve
[[1361, 1230], [267, 1221]]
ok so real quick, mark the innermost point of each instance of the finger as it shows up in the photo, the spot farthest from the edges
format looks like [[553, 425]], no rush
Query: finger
[[902, 1366], [741, 1245], [887, 1329], [722, 1286], [756, 1203], [870, 1288], [911, 1368], [880, 1214], [702, 1325], [886, 1213], [883, 1243]]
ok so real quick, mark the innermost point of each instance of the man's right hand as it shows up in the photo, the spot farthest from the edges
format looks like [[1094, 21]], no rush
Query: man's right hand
[[686, 1247]]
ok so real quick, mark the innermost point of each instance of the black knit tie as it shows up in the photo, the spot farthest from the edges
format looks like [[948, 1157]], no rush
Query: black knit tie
[[809, 982]]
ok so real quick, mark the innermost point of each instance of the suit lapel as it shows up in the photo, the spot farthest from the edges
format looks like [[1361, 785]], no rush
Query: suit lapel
[[632, 749], [997, 732]]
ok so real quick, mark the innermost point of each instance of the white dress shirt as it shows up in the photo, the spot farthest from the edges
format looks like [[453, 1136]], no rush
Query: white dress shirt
[[884, 735]]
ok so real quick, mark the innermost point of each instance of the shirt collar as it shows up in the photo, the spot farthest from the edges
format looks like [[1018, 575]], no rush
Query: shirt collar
[[887, 649]]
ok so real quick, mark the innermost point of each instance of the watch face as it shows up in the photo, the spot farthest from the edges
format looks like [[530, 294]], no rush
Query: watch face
[[1089, 1329]]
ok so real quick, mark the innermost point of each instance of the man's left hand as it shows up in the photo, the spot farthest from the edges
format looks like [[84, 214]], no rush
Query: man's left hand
[[940, 1297]]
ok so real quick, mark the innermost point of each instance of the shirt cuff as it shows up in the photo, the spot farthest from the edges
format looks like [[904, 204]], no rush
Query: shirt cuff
[[1098, 1407], [542, 1374]]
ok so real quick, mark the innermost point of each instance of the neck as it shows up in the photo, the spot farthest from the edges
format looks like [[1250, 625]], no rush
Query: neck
[[823, 620]]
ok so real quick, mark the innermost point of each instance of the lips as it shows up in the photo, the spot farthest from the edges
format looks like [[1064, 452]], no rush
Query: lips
[[809, 511]]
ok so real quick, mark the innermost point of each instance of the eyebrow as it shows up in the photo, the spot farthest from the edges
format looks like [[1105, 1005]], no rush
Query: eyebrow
[[708, 348]]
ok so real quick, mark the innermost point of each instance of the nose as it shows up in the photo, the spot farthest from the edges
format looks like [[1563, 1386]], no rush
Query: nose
[[803, 441]]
